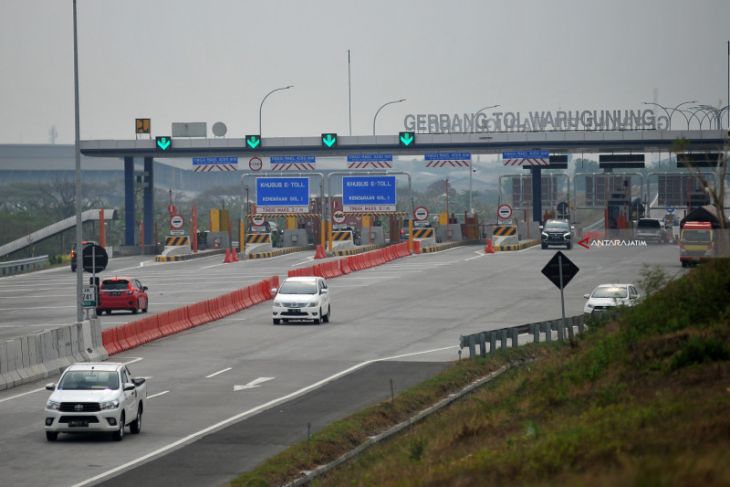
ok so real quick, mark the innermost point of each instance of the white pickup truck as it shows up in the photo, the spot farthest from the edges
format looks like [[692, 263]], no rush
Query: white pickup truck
[[95, 397]]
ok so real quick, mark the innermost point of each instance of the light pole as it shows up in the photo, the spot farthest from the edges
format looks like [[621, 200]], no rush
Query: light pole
[[79, 233], [383, 106], [716, 111], [262, 102], [481, 110], [670, 115]]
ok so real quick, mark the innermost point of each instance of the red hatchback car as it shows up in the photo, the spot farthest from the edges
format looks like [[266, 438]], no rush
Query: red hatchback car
[[122, 293]]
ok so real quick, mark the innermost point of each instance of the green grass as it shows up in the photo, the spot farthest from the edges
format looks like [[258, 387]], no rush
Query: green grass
[[641, 400]]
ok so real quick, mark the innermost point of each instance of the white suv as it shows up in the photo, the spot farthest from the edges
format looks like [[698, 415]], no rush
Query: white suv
[[95, 397], [302, 298]]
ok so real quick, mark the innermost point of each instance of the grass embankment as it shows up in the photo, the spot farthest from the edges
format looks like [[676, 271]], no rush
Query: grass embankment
[[644, 400]]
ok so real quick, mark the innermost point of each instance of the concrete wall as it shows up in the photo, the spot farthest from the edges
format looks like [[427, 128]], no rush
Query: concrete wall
[[34, 357]]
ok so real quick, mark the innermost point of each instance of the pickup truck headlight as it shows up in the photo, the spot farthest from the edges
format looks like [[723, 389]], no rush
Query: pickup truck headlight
[[53, 405], [566, 236], [544, 235], [109, 404], [313, 304]]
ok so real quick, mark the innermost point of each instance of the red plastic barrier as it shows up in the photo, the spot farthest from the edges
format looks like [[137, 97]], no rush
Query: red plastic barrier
[[198, 314], [344, 265], [247, 301], [256, 295], [109, 340], [123, 334], [213, 309]]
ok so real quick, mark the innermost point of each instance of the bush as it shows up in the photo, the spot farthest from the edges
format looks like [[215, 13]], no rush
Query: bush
[[699, 350]]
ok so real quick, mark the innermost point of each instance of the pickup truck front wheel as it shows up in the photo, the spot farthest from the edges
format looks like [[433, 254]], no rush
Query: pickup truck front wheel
[[136, 426], [51, 435], [118, 435]]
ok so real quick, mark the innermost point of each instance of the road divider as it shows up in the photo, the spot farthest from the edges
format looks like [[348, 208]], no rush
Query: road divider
[[33, 357], [130, 335], [346, 265]]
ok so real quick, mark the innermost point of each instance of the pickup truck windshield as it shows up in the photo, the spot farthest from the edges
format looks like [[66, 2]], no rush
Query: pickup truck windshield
[[86, 380], [609, 292]]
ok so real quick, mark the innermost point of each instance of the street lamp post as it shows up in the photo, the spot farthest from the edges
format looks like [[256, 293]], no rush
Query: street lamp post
[[481, 110], [670, 115], [383, 106], [262, 102], [79, 232]]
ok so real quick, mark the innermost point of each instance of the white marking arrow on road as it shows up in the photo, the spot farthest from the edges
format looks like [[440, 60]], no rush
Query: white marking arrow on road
[[254, 383]]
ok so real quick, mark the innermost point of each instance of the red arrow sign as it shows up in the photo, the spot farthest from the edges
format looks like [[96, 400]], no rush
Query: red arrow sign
[[585, 243]]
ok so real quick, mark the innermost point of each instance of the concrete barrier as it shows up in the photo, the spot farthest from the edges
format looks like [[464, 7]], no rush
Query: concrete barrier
[[32, 357]]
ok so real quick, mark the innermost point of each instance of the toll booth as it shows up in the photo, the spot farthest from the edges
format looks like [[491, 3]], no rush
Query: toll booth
[[618, 212]]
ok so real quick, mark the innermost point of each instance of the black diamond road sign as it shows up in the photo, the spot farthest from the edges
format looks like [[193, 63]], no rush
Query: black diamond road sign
[[552, 269]]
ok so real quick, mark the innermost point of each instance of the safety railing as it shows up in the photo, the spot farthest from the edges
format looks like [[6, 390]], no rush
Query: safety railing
[[493, 340], [11, 267]]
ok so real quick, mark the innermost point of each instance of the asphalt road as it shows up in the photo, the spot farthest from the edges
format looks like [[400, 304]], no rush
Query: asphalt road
[[413, 309], [41, 300]]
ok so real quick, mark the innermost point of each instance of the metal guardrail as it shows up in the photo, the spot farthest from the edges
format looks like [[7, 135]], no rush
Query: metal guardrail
[[11, 267], [542, 329]]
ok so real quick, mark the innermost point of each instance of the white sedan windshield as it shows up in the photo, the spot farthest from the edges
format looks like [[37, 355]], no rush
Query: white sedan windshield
[[298, 288]]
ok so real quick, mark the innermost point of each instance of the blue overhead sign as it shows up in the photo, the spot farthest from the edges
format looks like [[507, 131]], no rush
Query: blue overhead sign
[[282, 195], [526, 154], [448, 156], [204, 161], [370, 158], [368, 193], [293, 159]]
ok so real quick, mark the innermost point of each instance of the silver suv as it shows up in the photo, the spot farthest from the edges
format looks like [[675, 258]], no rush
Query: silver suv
[[556, 232], [650, 230]]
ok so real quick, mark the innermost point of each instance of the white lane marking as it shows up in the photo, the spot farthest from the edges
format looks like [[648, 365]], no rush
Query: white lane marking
[[133, 360], [479, 255], [35, 324], [245, 414], [218, 373], [253, 384], [157, 395], [214, 265], [23, 394], [309, 259], [36, 307], [42, 296]]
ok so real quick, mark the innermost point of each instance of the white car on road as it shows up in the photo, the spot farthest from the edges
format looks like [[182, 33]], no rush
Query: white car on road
[[95, 397], [302, 298], [609, 296]]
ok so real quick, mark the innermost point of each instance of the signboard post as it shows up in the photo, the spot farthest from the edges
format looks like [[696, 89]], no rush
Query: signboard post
[[282, 195], [560, 270]]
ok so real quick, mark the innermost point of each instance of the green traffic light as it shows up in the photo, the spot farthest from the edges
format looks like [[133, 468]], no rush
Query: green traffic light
[[163, 143], [253, 141], [406, 138], [329, 139]]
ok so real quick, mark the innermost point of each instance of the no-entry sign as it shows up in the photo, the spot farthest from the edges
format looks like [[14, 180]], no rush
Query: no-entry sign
[[504, 212], [420, 213], [176, 222]]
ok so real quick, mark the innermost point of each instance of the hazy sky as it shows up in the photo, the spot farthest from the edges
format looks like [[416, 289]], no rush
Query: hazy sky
[[214, 60]]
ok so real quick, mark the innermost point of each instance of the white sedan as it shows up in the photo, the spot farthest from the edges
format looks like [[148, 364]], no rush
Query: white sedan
[[302, 298], [609, 296]]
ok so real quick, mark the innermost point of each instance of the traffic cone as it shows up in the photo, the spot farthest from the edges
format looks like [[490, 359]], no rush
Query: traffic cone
[[319, 252], [227, 259], [234, 255], [489, 249]]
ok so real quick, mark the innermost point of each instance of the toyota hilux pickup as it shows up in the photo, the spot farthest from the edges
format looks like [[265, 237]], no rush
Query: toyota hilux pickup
[[95, 397]]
